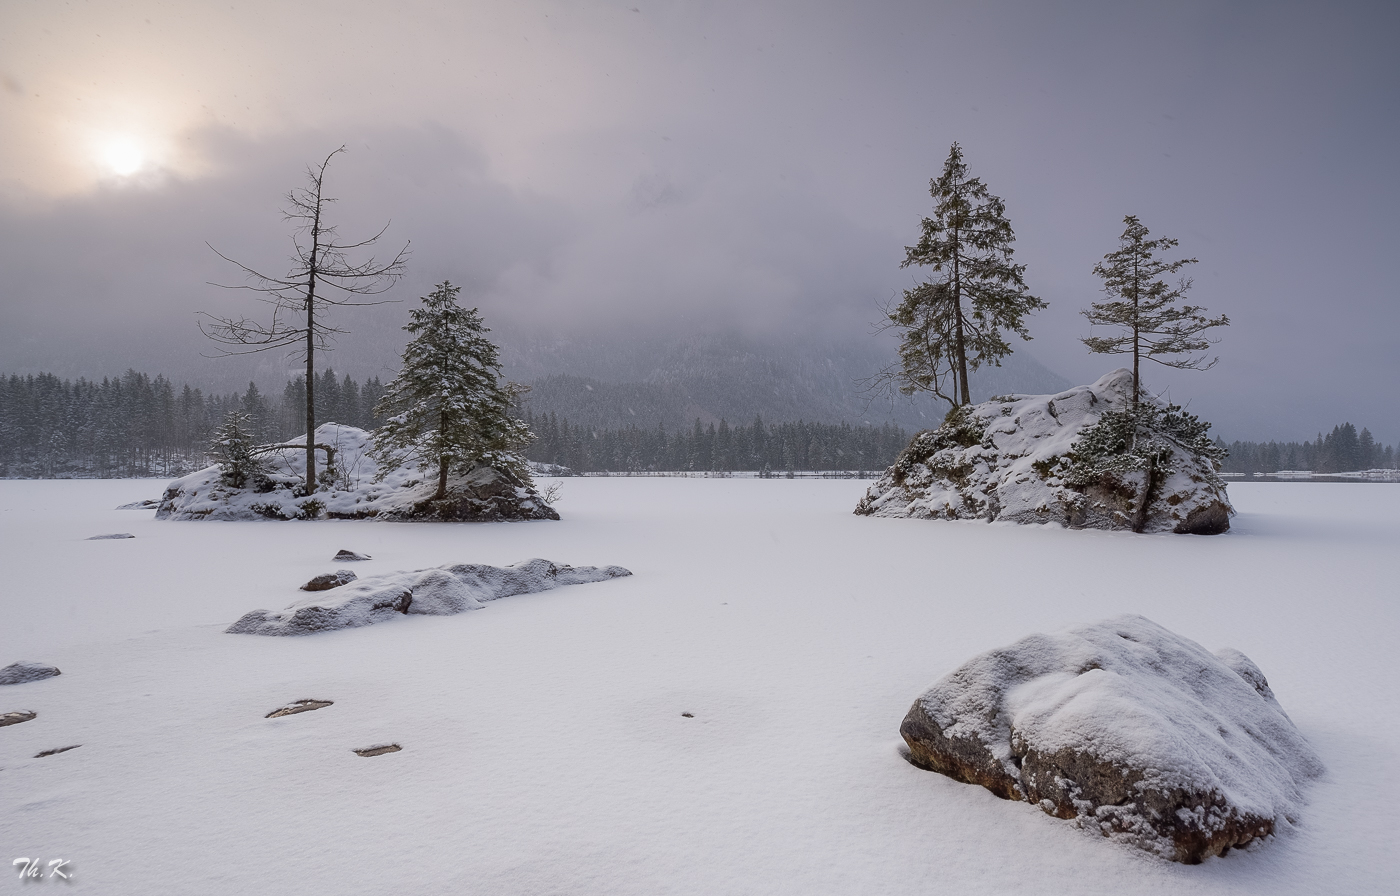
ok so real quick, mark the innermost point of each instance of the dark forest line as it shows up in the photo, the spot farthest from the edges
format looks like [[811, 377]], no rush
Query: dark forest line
[[138, 425], [758, 446], [1343, 450]]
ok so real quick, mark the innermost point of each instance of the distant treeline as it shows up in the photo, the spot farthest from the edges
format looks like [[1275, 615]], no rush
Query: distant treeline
[[136, 425], [776, 447], [1340, 451]]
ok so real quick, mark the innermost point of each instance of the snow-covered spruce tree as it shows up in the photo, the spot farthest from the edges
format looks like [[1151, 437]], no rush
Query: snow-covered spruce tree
[[953, 323], [448, 410], [234, 449], [1144, 307]]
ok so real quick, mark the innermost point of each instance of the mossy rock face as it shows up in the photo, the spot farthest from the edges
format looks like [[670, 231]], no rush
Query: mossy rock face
[[1014, 458]]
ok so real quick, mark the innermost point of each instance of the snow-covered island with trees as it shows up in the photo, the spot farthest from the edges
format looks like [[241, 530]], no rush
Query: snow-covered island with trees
[[1085, 458], [449, 450]]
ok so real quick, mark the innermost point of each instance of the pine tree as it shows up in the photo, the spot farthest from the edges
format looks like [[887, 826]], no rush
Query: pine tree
[[255, 406], [1144, 306], [233, 448], [448, 408], [953, 324]]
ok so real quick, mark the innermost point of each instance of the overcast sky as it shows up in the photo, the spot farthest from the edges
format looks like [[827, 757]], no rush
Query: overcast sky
[[645, 167]]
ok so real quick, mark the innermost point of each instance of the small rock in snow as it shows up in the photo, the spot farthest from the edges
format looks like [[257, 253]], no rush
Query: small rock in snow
[[327, 581], [55, 751], [379, 750], [295, 707], [688, 715], [148, 504], [344, 556], [25, 671], [14, 718], [1135, 732], [113, 535]]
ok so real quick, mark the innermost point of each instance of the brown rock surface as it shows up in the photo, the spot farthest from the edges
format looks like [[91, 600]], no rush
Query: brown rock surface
[[328, 580], [1130, 730]]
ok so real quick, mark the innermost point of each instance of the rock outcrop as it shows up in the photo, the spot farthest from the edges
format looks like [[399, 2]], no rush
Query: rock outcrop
[[25, 671], [299, 706], [328, 580], [351, 488], [440, 591], [1046, 459], [1135, 732]]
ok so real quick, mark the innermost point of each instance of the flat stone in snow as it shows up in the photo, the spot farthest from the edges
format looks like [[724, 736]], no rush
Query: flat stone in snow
[[25, 671]]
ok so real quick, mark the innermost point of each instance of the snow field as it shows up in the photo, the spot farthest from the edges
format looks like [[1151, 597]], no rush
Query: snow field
[[544, 747]]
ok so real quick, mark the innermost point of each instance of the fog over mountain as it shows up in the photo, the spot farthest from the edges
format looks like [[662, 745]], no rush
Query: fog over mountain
[[701, 206]]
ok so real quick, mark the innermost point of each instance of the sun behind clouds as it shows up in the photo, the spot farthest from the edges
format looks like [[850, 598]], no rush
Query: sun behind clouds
[[123, 156]]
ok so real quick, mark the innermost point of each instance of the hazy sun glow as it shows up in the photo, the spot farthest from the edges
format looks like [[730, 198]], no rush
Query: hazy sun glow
[[123, 156]]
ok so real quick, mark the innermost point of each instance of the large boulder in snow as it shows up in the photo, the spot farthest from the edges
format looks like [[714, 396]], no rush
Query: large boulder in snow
[[350, 489], [440, 591], [1135, 732], [1016, 458]]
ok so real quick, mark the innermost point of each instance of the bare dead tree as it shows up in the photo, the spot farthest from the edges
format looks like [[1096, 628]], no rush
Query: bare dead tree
[[321, 275]]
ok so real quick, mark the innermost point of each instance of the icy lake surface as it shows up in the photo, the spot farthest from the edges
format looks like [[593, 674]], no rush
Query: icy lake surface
[[544, 748]]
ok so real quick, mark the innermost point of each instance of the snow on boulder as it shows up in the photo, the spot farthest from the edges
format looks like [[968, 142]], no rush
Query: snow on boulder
[[1135, 732], [24, 671], [1064, 459], [440, 591], [345, 556], [349, 489]]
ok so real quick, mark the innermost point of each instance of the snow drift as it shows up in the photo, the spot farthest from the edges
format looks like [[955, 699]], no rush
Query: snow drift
[[350, 489], [440, 591], [1010, 459], [1135, 732]]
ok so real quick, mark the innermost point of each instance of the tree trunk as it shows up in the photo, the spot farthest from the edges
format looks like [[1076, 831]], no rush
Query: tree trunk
[[1149, 491], [964, 395], [310, 407], [442, 459], [1137, 284]]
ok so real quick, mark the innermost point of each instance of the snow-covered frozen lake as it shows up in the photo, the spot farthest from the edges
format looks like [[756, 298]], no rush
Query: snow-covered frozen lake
[[544, 747]]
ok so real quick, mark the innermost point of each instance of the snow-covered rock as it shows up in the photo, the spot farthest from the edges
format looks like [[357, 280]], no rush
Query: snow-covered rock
[[24, 671], [1009, 459], [440, 591], [328, 580], [346, 556], [1136, 732], [350, 489]]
